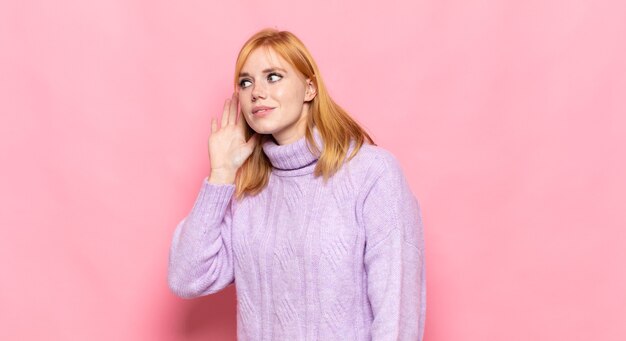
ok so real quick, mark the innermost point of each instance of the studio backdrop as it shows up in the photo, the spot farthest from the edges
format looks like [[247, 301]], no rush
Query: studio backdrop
[[508, 118]]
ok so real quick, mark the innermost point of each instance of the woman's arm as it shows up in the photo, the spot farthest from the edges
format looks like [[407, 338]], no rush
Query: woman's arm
[[201, 256], [394, 255]]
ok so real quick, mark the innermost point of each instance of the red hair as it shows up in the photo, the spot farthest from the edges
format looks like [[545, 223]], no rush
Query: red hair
[[334, 124]]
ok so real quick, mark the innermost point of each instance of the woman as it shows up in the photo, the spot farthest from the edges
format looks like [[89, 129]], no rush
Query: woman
[[315, 223]]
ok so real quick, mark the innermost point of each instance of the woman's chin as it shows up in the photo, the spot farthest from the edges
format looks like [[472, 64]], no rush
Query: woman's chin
[[262, 129]]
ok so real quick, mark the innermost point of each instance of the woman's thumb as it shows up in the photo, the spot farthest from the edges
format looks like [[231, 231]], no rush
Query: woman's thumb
[[249, 146], [252, 141]]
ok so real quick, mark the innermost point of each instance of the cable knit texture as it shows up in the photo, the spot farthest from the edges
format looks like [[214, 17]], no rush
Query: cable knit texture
[[342, 260]]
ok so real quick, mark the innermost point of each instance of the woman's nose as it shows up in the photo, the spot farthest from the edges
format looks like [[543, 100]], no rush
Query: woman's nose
[[258, 91]]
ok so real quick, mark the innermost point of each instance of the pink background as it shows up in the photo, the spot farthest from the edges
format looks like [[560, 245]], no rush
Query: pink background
[[509, 118]]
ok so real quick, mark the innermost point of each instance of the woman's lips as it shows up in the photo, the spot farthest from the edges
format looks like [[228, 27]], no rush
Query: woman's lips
[[262, 113]]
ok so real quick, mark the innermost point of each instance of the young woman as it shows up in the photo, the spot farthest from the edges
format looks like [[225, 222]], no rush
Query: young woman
[[314, 222]]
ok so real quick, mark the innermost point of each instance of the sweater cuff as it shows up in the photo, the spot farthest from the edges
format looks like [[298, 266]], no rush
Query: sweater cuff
[[212, 201]]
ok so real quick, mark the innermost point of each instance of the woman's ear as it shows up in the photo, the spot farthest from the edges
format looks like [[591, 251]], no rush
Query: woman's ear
[[310, 91]]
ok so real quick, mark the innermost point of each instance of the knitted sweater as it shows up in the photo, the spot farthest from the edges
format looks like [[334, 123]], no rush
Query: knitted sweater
[[311, 261]]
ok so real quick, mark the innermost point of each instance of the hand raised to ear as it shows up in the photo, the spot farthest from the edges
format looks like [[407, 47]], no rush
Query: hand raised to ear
[[228, 148]]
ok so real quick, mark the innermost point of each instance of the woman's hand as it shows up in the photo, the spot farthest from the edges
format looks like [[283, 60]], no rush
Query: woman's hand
[[228, 148]]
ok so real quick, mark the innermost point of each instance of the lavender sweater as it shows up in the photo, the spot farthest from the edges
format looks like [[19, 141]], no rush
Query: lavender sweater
[[311, 261]]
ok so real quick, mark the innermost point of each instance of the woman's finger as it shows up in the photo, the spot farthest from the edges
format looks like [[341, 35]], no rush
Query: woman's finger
[[241, 124], [233, 109], [213, 125], [225, 113]]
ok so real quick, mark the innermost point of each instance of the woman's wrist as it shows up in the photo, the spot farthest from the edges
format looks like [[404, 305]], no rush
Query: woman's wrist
[[219, 176]]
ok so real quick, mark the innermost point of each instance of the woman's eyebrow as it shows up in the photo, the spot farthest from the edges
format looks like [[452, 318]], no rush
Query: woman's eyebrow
[[245, 74]]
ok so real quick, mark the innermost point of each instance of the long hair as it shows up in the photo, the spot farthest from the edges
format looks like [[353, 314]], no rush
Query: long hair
[[335, 126]]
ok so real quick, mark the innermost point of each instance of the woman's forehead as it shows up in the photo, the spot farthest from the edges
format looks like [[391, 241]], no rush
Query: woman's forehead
[[264, 58]]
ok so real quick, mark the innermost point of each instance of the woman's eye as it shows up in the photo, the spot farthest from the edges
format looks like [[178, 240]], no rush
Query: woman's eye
[[277, 77], [242, 83]]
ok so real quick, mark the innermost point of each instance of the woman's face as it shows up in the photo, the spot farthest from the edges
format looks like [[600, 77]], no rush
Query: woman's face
[[269, 81]]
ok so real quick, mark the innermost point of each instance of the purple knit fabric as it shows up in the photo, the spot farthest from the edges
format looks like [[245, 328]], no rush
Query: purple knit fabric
[[342, 260]]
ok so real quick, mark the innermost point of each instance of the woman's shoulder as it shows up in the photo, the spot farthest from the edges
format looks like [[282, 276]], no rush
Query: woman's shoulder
[[374, 167], [374, 164], [372, 157]]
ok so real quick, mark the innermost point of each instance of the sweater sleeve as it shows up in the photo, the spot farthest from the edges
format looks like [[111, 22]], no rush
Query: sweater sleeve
[[201, 256], [394, 255]]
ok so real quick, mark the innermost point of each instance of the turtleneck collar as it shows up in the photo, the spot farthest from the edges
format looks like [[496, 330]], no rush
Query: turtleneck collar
[[295, 158]]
